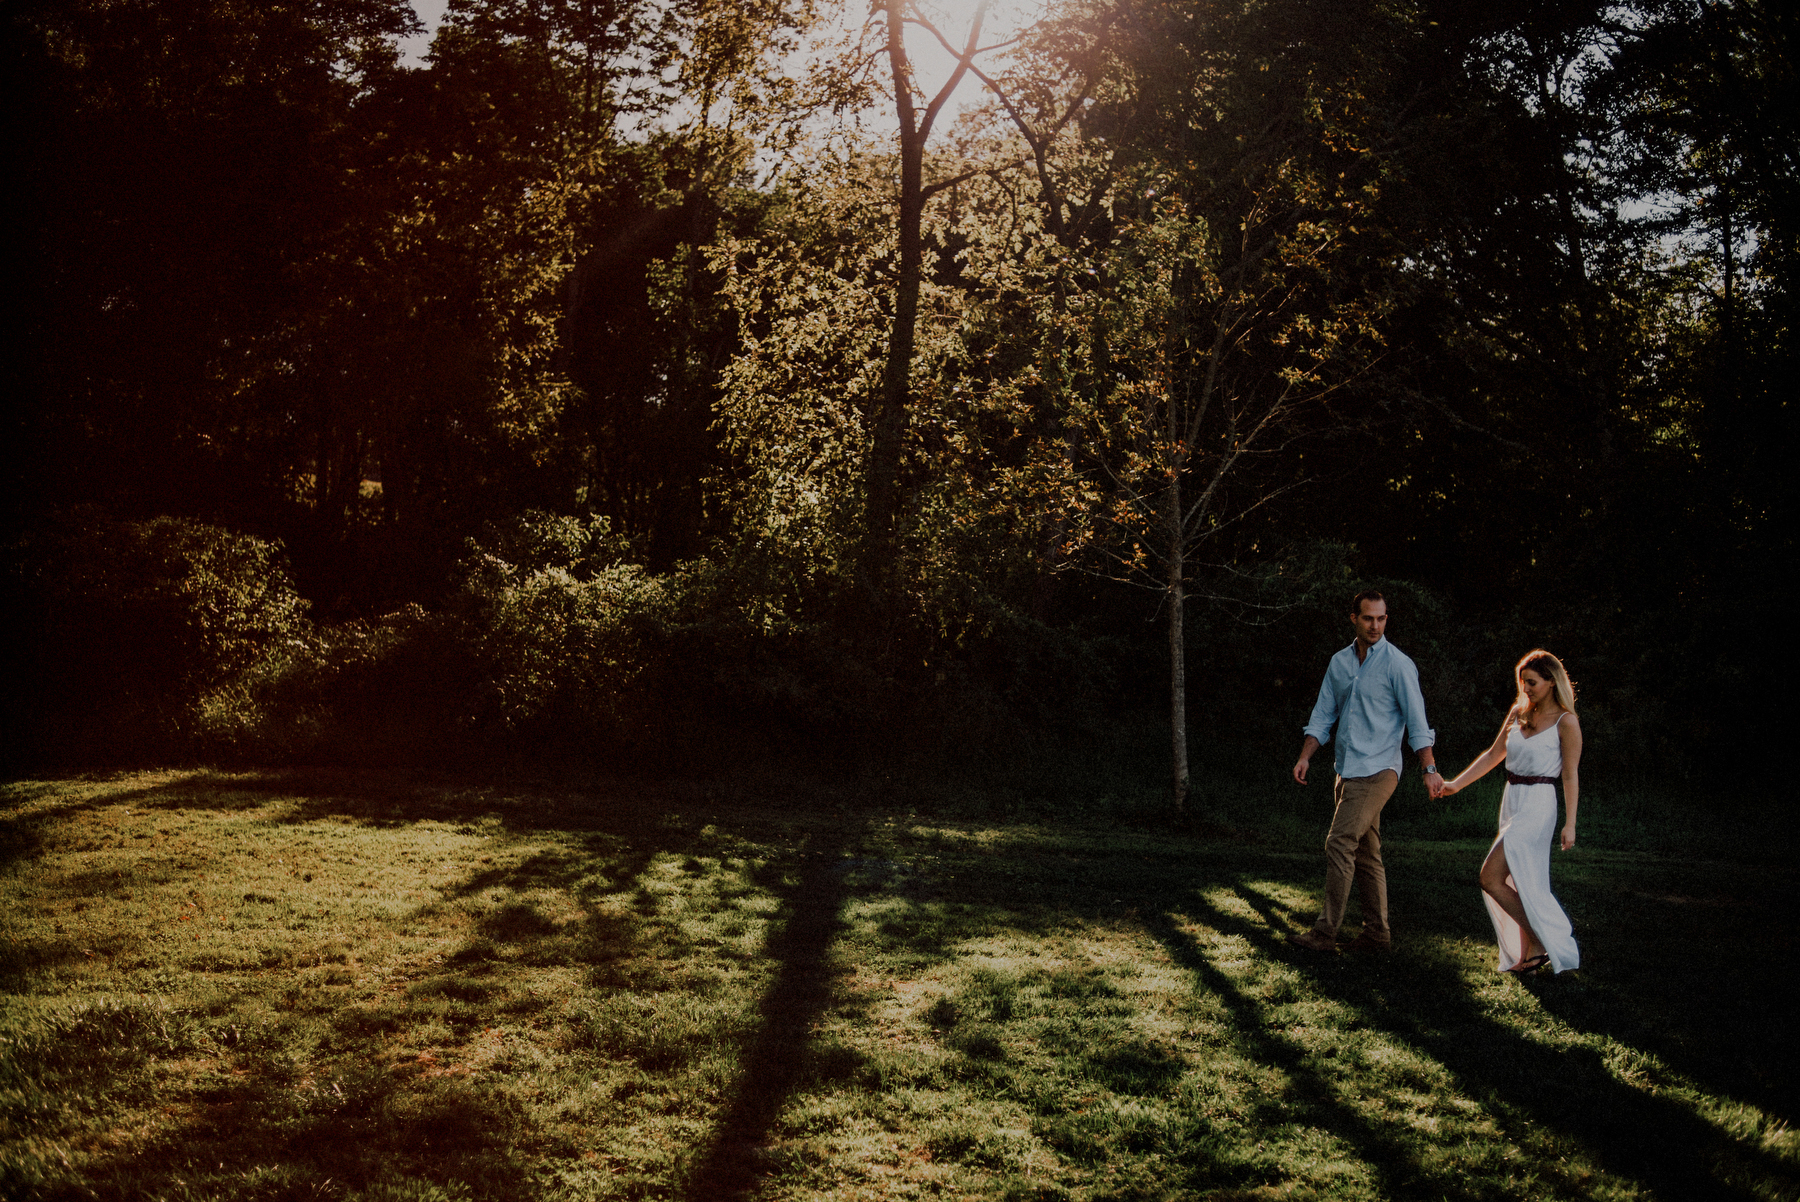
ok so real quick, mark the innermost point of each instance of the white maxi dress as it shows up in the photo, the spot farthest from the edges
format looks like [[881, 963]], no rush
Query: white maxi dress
[[1527, 828]]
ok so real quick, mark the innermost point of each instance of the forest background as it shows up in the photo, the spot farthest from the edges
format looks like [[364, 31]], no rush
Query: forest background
[[655, 384]]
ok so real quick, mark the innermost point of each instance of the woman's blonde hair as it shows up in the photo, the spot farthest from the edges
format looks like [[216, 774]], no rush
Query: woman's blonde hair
[[1551, 669]]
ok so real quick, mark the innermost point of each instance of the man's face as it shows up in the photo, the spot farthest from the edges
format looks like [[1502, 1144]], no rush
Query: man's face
[[1370, 622]]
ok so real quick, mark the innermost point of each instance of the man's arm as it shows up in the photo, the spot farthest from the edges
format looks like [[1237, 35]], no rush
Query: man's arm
[[1306, 754], [1318, 727], [1419, 734], [1434, 780]]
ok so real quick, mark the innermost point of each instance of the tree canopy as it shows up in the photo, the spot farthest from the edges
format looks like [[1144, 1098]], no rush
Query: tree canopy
[[1242, 300]]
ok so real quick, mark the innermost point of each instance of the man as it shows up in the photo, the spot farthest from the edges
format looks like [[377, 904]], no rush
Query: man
[[1370, 695]]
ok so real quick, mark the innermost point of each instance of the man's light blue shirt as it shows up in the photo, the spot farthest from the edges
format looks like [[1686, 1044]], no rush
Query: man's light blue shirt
[[1370, 704]]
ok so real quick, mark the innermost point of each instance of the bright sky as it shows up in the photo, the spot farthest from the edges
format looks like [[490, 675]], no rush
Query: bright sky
[[934, 64], [929, 59], [413, 50]]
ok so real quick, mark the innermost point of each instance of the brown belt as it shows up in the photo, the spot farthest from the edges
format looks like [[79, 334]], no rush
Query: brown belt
[[1513, 778]]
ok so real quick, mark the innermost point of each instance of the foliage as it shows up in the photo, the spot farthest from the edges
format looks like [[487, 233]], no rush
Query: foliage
[[1531, 266], [796, 395], [334, 308], [554, 614], [130, 633]]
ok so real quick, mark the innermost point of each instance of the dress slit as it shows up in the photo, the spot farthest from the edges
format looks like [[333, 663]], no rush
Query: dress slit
[[1529, 811]]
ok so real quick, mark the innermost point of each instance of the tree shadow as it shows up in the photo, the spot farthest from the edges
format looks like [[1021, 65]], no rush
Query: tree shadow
[[272, 1120], [21, 834], [352, 1127], [1036, 890], [1424, 1001], [1667, 967], [1658, 976], [776, 1063], [1395, 1165], [1043, 893], [394, 797], [1666, 980]]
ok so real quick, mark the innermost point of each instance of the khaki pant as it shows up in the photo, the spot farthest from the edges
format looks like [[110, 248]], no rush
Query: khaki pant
[[1353, 852]]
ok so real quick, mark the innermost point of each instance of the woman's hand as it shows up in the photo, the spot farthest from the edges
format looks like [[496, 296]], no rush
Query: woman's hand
[[1568, 836], [1448, 788]]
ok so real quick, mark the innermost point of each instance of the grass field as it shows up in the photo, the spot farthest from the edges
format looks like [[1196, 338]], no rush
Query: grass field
[[365, 987]]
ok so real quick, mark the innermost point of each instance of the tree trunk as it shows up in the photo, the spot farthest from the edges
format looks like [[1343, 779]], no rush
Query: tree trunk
[[1730, 322], [1177, 598], [1054, 528], [888, 431]]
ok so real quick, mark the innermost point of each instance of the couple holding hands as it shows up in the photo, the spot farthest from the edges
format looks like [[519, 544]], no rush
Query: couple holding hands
[[1370, 696]]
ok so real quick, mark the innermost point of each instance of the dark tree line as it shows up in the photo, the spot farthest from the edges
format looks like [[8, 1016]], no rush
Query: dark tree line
[[595, 291]]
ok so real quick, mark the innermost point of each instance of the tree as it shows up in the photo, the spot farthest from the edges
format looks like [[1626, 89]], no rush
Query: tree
[[1244, 295], [888, 422], [1041, 108], [1133, 319], [1213, 356], [173, 156], [283, 281]]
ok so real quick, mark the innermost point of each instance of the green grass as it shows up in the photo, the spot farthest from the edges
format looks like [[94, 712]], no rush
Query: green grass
[[359, 987]]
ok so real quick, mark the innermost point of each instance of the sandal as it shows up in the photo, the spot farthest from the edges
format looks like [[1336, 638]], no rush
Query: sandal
[[1529, 964]]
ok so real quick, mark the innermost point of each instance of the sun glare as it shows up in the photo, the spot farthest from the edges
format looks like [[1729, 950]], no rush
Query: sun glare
[[934, 65]]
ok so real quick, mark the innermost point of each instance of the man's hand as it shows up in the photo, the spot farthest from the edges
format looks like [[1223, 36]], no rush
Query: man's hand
[[1306, 754], [1434, 784]]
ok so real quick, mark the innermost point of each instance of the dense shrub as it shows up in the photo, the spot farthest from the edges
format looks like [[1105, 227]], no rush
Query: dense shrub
[[339, 691], [559, 628], [130, 633], [169, 639], [172, 639], [540, 645]]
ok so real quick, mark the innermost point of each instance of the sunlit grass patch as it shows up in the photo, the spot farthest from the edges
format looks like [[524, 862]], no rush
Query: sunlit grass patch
[[483, 996], [244, 987]]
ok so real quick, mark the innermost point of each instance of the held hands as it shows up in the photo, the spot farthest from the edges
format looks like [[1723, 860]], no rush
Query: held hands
[[1434, 784], [1447, 788]]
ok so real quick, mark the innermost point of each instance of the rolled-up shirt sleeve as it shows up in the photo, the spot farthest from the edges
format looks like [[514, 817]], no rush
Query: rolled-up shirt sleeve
[[1412, 706]]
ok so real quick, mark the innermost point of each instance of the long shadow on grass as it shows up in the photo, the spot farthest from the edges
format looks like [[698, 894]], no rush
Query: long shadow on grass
[[387, 798], [21, 834], [349, 1112], [774, 1065], [1673, 976], [1424, 1001], [275, 1133], [1688, 979], [1398, 1175]]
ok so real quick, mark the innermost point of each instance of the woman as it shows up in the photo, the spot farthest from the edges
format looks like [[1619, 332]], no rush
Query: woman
[[1540, 742]]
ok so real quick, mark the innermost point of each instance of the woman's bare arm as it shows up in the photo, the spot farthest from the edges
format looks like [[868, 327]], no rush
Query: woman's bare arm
[[1571, 751], [1484, 764]]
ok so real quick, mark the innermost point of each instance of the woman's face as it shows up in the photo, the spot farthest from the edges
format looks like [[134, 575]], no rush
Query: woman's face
[[1534, 686]]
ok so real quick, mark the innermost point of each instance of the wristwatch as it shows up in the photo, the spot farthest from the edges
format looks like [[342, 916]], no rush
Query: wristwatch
[[1432, 768]]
